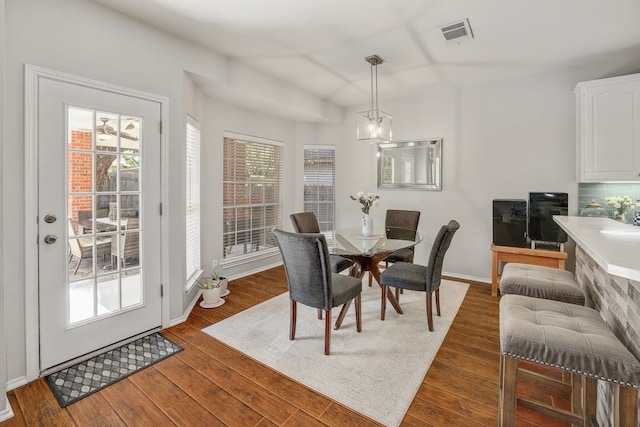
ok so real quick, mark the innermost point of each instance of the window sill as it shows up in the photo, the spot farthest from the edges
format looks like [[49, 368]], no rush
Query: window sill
[[192, 281]]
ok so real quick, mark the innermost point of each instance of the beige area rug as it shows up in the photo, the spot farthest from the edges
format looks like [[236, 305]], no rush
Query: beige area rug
[[376, 372]]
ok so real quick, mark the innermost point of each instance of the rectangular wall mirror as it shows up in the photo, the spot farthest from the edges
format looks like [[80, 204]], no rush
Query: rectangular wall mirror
[[413, 165]]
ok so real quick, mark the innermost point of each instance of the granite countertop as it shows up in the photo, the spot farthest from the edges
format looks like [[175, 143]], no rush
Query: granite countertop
[[613, 245]]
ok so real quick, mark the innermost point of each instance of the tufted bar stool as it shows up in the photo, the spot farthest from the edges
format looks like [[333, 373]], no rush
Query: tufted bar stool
[[570, 338], [541, 282]]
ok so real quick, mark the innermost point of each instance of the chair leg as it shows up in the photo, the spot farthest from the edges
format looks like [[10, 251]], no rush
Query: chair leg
[[77, 265], [370, 279], [327, 331], [508, 391], [359, 313], [438, 301], [398, 295], [319, 314], [500, 384], [383, 302], [577, 398], [292, 320], [430, 310], [590, 397]]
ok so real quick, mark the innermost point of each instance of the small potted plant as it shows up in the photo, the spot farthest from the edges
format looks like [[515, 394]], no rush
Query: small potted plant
[[216, 275], [211, 290]]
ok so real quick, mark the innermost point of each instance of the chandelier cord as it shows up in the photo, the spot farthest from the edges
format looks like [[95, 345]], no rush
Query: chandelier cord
[[372, 86]]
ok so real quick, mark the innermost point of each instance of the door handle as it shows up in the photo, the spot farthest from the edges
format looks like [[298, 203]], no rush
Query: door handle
[[50, 239]]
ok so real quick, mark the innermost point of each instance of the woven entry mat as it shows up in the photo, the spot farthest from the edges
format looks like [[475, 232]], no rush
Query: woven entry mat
[[78, 381]]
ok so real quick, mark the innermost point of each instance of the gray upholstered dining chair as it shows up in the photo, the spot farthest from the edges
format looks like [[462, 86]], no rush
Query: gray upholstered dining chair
[[400, 224], [311, 282], [306, 222], [417, 277]]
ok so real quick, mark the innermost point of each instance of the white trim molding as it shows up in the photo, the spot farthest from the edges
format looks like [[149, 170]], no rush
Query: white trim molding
[[7, 412]]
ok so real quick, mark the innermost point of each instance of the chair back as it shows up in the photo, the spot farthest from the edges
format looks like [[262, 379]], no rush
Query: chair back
[[305, 222], [129, 242], [307, 266], [401, 224], [436, 258], [74, 244]]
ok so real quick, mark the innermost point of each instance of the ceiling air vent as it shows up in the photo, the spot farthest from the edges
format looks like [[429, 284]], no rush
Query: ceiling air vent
[[457, 31]]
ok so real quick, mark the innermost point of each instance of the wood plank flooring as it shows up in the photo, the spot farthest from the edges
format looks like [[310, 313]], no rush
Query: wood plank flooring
[[210, 384]]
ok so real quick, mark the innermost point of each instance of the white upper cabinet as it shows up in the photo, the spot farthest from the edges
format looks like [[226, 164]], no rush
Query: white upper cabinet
[[608, 131]]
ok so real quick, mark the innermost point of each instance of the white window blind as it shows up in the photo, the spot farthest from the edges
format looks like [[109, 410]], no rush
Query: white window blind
[[319, 183], [192, 199], [252, 194]]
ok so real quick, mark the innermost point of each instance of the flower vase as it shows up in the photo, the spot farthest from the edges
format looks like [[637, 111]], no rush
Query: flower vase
[[367, 225], [619, 216]]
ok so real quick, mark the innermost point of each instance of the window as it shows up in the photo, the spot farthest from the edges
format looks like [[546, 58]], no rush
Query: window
[[252, 193], [319, 183], [193, 201]]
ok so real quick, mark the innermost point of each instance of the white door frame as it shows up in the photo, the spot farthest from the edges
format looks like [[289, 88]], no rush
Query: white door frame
[[32, 76]]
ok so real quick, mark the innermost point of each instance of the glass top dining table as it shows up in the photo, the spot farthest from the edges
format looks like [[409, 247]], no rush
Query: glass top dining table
[[368, 251]]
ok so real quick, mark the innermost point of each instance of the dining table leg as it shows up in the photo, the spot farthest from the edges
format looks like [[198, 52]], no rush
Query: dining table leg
[[370, 264], [375, 271]]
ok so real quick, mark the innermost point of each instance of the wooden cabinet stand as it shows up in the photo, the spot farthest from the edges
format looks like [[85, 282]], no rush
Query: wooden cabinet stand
[[525, 256]]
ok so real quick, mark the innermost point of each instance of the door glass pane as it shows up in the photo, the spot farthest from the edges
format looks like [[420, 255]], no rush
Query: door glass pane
[[131, 288], [108, 294], [103, 212], [106, 172], [81, 299], [130, 134], [80, 171]]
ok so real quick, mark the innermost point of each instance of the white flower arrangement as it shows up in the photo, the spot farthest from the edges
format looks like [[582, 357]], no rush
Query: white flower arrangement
[[619, 203], [366, 200]]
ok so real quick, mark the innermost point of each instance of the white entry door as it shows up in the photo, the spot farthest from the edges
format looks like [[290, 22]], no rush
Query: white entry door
[[98, 218]]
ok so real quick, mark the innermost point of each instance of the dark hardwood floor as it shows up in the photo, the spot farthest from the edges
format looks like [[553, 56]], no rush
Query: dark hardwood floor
[[211, 384]]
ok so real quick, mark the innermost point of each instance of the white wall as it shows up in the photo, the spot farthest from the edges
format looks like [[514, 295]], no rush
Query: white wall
[[221, 117], [83, 38], [5, 407], [501, 140]]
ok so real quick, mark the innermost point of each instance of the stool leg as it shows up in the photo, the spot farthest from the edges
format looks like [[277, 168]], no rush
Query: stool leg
[[590, 398], [625, 406], [508, 396], [577, 394]]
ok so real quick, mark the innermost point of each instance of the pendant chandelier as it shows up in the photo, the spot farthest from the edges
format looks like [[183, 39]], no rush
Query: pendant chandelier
[[373, 126]]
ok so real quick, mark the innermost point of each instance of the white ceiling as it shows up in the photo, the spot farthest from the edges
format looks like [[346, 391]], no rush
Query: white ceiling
[[320, 45]]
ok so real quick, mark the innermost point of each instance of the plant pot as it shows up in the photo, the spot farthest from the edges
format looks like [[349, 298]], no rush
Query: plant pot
[[224, 283], [211, 298]]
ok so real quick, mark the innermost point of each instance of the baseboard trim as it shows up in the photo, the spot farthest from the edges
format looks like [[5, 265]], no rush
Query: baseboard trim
[[8, 412], [469, 279], [16, 382], [189, 309]]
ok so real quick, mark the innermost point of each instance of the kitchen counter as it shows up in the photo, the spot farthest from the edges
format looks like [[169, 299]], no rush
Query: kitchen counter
[[613, 245], [607, 256]]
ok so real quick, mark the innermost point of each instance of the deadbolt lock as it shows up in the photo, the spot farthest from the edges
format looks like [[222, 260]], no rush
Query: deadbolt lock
[[50, 218]]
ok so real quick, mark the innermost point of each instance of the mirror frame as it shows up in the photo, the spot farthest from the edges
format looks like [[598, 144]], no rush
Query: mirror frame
[[436, 166]]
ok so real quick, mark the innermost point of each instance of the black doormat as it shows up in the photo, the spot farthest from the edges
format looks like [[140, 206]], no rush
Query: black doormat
[[85, 378]]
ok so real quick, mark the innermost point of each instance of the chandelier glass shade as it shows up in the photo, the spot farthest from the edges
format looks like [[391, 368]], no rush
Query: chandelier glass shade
[[374, 125]]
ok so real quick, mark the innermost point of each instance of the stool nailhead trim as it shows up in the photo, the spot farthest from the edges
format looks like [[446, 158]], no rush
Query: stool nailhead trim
[[587, 374]]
